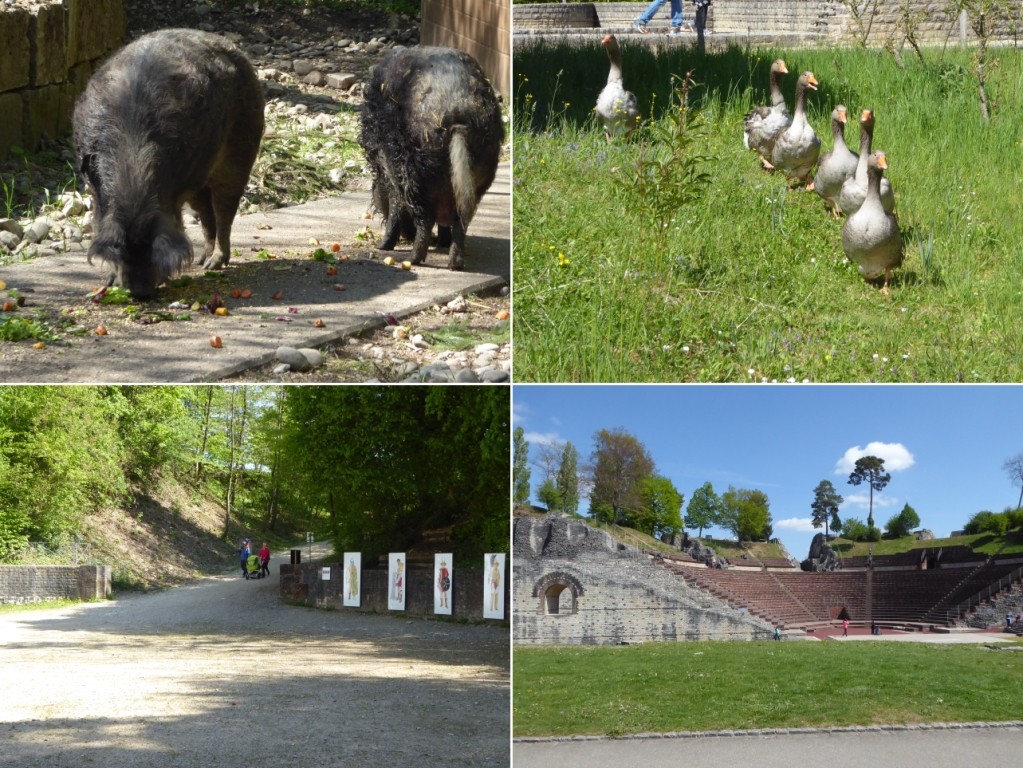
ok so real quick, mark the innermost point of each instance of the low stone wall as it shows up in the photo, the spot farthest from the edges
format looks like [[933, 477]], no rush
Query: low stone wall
[[38, 583], [48, 51], [305, 583], [576, 585]]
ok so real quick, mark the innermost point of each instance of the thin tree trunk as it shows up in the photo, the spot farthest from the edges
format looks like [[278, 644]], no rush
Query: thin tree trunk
[[201, 453]]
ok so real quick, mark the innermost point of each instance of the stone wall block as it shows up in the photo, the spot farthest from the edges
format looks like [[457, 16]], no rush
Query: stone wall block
[[11, 128], [15, 51], [48, 43], [95, 28]]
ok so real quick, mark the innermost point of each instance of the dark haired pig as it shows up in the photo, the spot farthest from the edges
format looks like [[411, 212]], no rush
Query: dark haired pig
[[175, 117], [432, 132]]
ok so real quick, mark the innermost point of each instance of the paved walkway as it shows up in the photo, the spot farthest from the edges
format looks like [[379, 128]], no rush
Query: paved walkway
[[180, 352], [945, 748]]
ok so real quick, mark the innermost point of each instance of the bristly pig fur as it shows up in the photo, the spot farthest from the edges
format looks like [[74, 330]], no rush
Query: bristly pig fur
[[432, 132], [175, 117]]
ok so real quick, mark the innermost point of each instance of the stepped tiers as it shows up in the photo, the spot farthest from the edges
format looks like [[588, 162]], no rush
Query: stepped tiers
[[577, 584], [805, 22]]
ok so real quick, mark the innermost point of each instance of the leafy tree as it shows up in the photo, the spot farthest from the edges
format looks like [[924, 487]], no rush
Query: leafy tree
[[1014, 469], [620, 463], [746, 514], [660, 514], [566, 480], [870, 470], [520, 468], [903, 523], [704, 509], [547, 494], [826, 501], [854, 529]]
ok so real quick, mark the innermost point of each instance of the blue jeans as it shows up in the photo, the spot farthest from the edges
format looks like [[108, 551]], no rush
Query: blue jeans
[[656, 5]]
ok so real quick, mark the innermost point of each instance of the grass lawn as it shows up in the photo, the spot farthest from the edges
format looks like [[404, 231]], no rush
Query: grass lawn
[[665, 687], [983, 543], [615, 281]]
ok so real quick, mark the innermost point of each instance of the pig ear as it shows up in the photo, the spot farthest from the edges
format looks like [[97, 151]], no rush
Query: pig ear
[[108, 243], [171, 250]]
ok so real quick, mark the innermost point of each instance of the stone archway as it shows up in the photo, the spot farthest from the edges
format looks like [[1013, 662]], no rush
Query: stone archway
[[557, 594]]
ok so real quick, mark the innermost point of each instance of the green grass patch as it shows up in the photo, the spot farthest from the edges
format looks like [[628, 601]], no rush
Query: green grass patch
[[982, 543], [665, 687], [748, 281]]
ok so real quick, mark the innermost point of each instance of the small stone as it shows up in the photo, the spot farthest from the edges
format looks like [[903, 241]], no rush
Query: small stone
[[281, 368], [314, 78], [37, 231], [9, 240], [302, 67], [294, 358], [258, 49], [314, 357], [466, 376], [12, 226], [458, 304], [419, 342], [494, 376], [341, 81], [484, 348]]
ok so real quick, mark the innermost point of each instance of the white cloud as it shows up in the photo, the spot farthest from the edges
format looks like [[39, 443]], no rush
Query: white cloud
[[799, 524], [544, 438], [896, 457], [862, 501]]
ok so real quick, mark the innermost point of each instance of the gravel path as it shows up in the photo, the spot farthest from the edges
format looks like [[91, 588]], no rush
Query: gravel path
[[220, 673]]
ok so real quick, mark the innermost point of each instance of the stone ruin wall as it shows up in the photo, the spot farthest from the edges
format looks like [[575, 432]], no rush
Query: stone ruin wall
[[795, 22], [613, 594], [21, 584], [48, 52]]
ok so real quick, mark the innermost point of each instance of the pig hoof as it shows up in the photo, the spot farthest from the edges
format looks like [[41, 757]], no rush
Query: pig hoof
[[217, 261]]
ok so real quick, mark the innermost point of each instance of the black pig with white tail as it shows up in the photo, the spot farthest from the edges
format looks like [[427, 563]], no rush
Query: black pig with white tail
[[432, 132], [175, 117]]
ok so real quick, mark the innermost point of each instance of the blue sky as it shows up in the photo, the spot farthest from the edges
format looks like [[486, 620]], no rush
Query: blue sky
[[944, 445]]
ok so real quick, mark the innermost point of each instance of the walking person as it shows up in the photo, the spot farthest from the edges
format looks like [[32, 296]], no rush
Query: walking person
[[700, 18], [678, 24], [845, 627], [264, 560], [243, 555]]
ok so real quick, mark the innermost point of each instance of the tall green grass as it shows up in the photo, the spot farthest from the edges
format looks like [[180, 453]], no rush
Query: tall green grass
[[750, 283], [667, 687]]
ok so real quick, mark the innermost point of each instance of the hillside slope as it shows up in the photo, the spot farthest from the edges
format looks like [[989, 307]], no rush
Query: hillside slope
[[166, 535]]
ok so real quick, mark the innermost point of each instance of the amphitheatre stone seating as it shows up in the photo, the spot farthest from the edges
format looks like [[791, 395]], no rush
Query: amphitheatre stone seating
[[888, 596]]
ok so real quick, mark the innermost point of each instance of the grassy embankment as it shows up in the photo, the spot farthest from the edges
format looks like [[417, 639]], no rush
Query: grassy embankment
[[750, 283]]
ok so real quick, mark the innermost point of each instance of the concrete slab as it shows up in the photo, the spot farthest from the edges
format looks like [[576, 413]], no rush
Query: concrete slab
[[168, 351]]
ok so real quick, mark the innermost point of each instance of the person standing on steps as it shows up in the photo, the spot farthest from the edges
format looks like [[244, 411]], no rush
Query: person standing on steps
[[700, 18], [678, 24]]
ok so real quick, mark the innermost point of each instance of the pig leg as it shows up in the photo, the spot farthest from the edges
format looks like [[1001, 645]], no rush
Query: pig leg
[[225, 205], [392, 229], [203, 205], [455, 263], [422, 242]]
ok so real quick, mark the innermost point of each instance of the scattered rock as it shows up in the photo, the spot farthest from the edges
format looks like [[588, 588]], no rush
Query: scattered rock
[[300, 359], [11, 226], [38, 231]]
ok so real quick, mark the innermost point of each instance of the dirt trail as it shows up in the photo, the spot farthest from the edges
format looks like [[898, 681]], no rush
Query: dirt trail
[[220, 673]]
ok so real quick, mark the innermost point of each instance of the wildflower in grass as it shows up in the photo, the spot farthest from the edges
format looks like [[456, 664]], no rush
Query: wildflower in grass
[[563, 260]]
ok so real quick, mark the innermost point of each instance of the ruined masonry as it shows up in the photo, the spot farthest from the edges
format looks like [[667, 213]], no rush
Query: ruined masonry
[[574, 584]]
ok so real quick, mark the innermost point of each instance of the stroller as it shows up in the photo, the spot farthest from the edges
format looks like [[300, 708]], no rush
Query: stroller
[[252, 568]]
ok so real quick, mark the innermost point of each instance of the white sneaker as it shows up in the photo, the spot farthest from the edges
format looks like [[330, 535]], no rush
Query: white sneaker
[[639, 26]]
